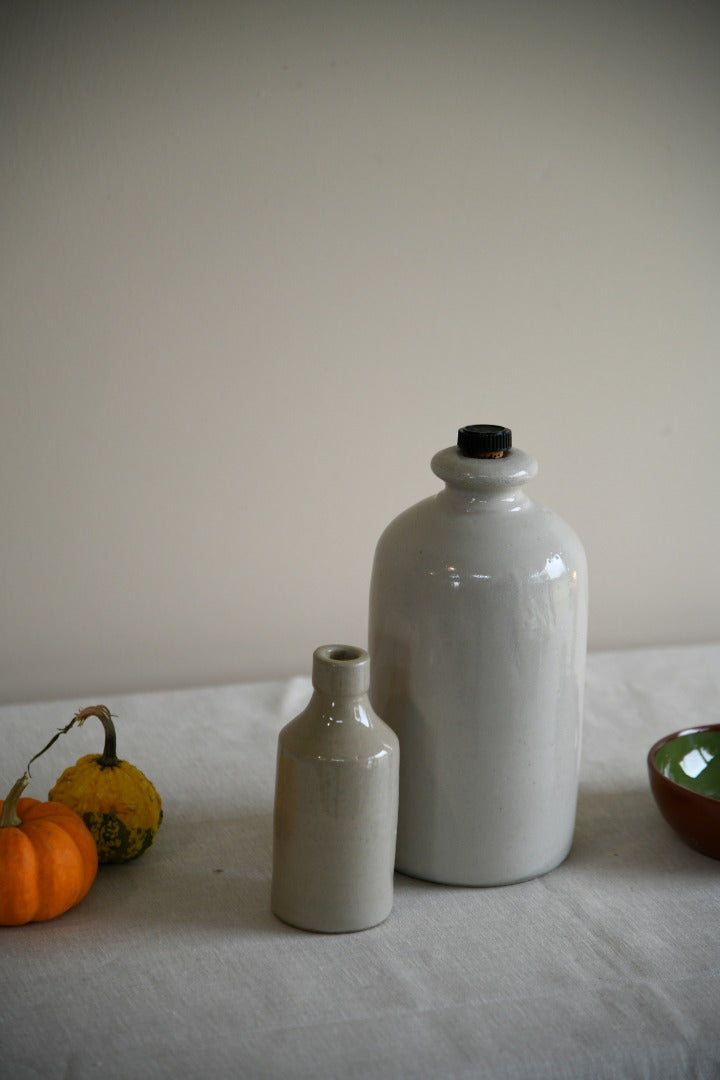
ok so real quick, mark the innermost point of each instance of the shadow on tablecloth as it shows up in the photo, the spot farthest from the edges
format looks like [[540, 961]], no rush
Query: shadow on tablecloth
[[622, 831], [211, 873]]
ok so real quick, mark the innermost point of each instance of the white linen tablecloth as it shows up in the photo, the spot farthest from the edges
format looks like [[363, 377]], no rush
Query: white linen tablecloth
[[174, 966]]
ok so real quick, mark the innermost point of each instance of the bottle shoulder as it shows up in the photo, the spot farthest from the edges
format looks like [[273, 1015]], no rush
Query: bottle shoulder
[[419, 514], [338, 731], [481, 544], [437, 519]]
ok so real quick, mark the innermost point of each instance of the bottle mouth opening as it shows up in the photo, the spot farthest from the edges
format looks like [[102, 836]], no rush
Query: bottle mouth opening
[[341, 670], [341, 652]]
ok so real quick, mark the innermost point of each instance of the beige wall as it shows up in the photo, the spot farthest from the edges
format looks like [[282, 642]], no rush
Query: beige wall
[[260, 261]]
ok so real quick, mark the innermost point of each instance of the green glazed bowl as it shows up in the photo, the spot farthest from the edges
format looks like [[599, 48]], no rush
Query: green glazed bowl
[[684, 771]]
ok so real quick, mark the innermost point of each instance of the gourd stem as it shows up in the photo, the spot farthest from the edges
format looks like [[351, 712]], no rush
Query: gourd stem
[[9, 815], [109, 754]]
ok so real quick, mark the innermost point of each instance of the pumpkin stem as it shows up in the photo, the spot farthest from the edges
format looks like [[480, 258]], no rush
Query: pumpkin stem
[[9, 816], [109, 756]]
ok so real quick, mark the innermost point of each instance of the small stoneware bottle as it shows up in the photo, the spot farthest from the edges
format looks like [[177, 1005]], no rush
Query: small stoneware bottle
[[336, 802], [478, 617]]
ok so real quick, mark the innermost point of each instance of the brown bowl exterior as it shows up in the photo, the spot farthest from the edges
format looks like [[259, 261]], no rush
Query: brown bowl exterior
[[694, 817]]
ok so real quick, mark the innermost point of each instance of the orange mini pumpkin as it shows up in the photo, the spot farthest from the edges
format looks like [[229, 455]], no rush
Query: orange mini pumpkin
[[48, 858]]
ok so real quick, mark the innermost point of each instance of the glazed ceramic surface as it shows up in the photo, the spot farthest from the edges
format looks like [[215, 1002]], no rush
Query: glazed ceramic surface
[[336, 803], [684, 770], [478, 616]]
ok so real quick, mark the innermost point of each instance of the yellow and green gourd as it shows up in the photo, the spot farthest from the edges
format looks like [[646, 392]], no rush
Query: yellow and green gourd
[[117, 802]]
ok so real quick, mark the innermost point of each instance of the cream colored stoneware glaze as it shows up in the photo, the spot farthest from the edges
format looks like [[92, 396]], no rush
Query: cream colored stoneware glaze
[[336, 803], [478, 615]]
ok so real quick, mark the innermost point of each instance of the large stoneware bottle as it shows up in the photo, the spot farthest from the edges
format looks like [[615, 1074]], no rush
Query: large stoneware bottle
[[477, 634]]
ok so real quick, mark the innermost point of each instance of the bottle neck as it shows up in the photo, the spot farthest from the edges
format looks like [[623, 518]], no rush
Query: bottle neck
[[341, 671], [477, 482]]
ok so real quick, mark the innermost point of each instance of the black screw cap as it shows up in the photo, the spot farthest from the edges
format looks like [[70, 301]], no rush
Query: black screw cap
[[475, 440]]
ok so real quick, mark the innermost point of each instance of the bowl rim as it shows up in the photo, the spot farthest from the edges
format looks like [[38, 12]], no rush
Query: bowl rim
[[669, 738]]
